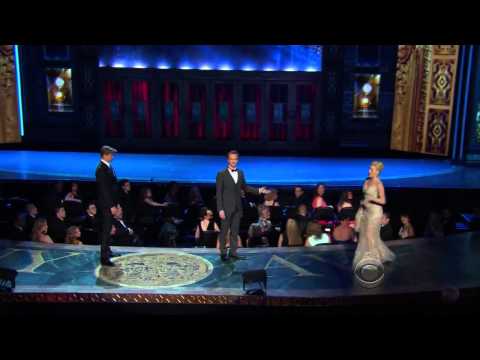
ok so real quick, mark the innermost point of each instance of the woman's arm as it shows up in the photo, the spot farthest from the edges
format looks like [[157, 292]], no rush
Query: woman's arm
[[154, 203], [197, 232], [215, 226], [381, 200]]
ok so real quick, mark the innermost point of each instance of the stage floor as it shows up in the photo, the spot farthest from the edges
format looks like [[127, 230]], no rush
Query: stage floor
[[65, 273], [269, 171]]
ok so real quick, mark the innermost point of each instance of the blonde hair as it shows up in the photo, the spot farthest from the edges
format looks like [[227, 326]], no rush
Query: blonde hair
[[378, 165], [37, 227], [70, 237]]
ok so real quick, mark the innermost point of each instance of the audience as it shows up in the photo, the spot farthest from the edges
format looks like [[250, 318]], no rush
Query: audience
[[124, 234], [297, 226], [172, 193], [40, 231], [343, 233], [57, 227], [125, 198], [18, 231], [263, 233], [148, 210], [386, 230], [346, 201], [315, 235], [271, 199], [435, 227], [207, 230], [299, 197], [73, 236], [406, 230], [31, 216], [318, 200], [73, 195]]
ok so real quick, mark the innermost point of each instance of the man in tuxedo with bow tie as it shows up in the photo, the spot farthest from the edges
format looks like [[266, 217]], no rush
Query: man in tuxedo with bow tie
[[230, 183], [107, 201]]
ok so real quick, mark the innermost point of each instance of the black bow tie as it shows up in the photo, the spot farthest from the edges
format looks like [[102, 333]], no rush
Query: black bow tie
[[233, 170]]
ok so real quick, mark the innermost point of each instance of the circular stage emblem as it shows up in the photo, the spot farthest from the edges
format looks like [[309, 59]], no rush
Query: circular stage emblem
[[369, 272], [156, 270]]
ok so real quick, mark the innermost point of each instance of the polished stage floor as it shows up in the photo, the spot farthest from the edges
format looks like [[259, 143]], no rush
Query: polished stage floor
[[269, 171], [65, 273]]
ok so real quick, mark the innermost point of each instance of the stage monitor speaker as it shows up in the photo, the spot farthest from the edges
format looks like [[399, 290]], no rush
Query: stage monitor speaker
[[257, 277]]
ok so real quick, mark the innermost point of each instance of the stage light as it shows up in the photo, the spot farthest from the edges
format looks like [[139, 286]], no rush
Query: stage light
[[19, 89], [311, 69], [186, 67], [205, 67], [269, 69], [248, 68], [139, 66], [225, 67], [59, 82], [163, 66], [367, 88], [291, 68], [118, 65], [101, 64]]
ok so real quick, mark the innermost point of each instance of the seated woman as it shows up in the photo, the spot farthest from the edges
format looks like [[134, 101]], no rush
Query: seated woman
[[263, 233], [148, 209], [406, 230], [315, 235], [318, 200], [73, 236], [40, 231], [73, 195], [296, 227], [206, 229], [346, 201], [271, 199], [343, 233]]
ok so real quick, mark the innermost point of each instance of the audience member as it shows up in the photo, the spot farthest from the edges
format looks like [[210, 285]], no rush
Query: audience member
[[73, 236], [171, 197], [406, 230], [73, 195], [296, 227], [207, 230], [31, 216], [346, 201], [315, 235], [57, 227], [299, 197], [263, 233], [386, 230], [318, 200], [18, 231], [126, 201], [271, 199], [343, 233], [40, 231], [124, 234]]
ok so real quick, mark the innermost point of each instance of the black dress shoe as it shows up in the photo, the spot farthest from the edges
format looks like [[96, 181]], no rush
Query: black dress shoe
[[224, 257], [106, 262]]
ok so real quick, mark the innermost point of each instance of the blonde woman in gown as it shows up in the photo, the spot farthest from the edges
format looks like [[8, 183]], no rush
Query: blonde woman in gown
[[368, 220]]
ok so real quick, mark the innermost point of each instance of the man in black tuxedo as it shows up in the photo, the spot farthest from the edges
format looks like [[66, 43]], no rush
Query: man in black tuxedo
[[230, 184], [107, 201]]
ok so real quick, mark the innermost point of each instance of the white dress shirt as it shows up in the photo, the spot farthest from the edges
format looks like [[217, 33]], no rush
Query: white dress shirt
[[105, 162], [234, 175]]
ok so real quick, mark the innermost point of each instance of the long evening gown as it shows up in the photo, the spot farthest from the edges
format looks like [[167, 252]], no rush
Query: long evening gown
[[367, 223]]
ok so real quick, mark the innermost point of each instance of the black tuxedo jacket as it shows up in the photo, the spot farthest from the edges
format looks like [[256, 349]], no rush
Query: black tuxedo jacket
[[106, 186], [229, 194]]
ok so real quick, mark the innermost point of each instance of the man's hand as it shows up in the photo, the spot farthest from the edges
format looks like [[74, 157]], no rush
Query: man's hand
[[222, 214], [263, 190]]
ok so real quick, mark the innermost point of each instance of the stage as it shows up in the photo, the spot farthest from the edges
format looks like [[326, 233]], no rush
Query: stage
[[269, 171], [295, 276]]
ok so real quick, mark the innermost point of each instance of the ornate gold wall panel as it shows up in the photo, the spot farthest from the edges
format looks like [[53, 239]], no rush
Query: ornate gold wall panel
[[9, 127], [424, 92]]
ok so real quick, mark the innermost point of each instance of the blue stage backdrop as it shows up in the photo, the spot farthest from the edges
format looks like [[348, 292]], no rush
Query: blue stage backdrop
[[214, 57]]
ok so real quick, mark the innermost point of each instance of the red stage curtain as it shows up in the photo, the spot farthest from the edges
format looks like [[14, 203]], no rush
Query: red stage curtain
[[142, 120], [171, 110], [113, 108], [223, 118], [197, 95], [305, 100], [251, 130], [278, 127]]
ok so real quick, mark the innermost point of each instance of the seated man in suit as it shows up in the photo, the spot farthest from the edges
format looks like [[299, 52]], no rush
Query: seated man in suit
[[57, 227], [386, 230], [124, 235], [90, 225]]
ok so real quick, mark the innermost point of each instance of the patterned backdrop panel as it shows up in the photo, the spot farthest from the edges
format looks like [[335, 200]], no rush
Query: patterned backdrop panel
[[437, 131], [448, 50], [442, 79]]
